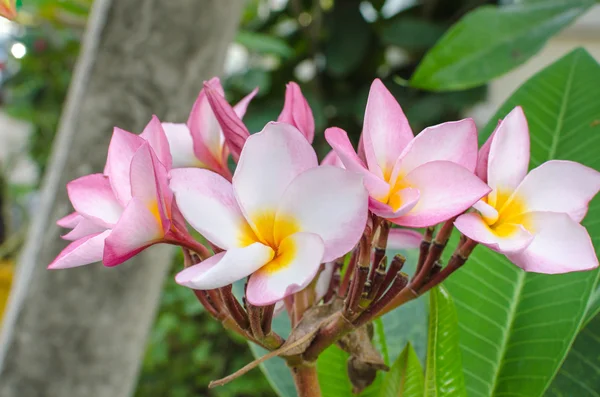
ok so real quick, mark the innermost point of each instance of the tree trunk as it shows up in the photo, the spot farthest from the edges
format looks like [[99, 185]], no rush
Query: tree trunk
[[82, 332]]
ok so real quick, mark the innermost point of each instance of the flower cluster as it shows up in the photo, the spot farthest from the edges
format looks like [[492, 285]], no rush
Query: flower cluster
[[280, 215]]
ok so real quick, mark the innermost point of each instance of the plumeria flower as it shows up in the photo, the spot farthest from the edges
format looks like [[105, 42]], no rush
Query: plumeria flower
[[8, 8], [200, 142], [121, 212], [533, 218], [412, 181], [282, 216], [295, 112]]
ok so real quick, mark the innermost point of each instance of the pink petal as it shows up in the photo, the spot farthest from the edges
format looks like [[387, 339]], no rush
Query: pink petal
[[149, 184], [233, 128], [181, 145], [509, 156], [512, 238], [69, 221], [338, 139], [454, 141], [295, 266], [297, 112], [408, 199], [333, 159], [81, 252], [205, 130], [270, 161], [92, 197], [324, 281], [404, 239], [138, 228], [446, 189], [241, 107], [226, 267], [386, 131], [123, 146], [560, 245], [559, 186], [484, 155], [329, 202], [208, 203], [83, 229], [155, 135]]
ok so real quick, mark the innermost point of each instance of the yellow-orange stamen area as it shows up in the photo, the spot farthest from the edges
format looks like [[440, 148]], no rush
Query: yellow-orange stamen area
[[511, 213], [271, 229], [153, 207]]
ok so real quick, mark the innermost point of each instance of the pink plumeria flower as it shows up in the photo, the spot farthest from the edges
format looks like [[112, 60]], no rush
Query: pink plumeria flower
[[282, 216], [332, 158], [412, 181], [128, 209], [533, 218], [200, 142], [295, 112]]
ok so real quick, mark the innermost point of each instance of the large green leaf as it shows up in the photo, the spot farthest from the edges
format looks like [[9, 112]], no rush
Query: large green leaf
[[580, 373], [444, 374], [405, 378], [490, 41], [517, 327]]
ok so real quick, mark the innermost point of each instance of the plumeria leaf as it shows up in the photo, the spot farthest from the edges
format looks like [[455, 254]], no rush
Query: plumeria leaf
[[515, 327], [444, 373], [405, 378], [490, 41]]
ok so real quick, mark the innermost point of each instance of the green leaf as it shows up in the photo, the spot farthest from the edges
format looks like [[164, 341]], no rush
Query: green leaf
[[410, 33], [264, 44], [580, 373], [405, 378], [490, 41], [517, 327], [444, 374]]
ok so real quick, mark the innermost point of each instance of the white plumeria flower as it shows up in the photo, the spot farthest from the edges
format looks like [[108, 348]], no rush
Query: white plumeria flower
[[282, 216]]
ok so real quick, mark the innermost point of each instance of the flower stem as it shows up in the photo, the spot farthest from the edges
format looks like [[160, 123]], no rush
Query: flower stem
[[306, 380]]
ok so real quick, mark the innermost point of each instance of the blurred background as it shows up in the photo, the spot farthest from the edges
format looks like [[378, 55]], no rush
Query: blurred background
[[332, 48]]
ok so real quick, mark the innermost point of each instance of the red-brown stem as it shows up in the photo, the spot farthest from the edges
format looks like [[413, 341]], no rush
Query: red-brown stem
[[378, 278], [233, 307], [306, 380], [184, 240], [435, 251], [460, 256], [215, 299], [303, 300], [255, 319], [398, 285], [396, 265], [343, 290], [424, 248], [203, 299], [333, 285], [267, 318], [288, 301], [360, 277], [326, 336]]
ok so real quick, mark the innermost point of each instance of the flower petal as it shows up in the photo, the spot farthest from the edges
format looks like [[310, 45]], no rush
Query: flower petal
[[155, 135], [296, 264], [329, 202], [297, 112], [149, 184], [506, 238], [386, 131], [270, 161], [181, 145], [138, 228], [226, 267], [488, 213], [453, 141], [484, 156], [208, 203], [92, 197], [123, 146], [83, 229], [446, 189], [338, 139], [333, 159], [403, 201], [509, 157], [558, 186], [241, 107], [560, 245], [69, 221], [233, 128], [324, 281], [404, 239], [81, 252]]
